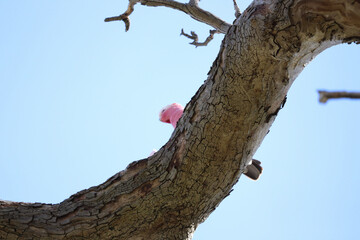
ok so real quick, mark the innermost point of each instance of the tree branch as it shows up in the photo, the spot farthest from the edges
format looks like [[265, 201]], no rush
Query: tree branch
[[324, 96], [195, 37], [194, 2], [190, 8], [125, 16], [167, 195], [237, 9]]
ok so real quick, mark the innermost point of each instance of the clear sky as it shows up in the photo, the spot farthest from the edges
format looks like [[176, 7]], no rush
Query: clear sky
[[79, 101]]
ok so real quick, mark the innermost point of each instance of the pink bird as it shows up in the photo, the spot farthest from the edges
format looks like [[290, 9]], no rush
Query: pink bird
[[171, 113]]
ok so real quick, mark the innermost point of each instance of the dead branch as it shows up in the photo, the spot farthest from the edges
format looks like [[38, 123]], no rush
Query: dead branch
[[237, 9], [190, 8], [195, 37], [125, 16], [324, 96]]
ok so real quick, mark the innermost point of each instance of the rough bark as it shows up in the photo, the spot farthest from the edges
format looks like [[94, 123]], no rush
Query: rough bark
[[167, 195]]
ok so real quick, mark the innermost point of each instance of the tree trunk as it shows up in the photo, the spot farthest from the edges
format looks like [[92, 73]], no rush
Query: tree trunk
[[167, 195]]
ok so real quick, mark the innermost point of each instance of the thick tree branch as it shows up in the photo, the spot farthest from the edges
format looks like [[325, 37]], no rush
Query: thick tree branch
[[167, 195], [324, 96], [190, 8]]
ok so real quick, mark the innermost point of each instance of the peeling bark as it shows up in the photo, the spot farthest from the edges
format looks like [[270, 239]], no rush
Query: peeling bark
[[167, 195]]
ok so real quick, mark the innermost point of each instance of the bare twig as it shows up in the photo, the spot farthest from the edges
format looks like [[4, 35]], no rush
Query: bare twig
[[125, 16], [324, 96], [237, 9], [195, 37], [190, 8]]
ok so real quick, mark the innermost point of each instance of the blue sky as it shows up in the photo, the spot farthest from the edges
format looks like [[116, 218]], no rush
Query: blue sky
[[79, 101]]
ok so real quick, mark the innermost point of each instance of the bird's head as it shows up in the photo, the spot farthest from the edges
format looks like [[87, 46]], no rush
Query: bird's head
[[168, 111]]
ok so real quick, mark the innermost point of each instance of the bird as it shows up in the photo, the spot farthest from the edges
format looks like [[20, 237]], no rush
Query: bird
[[172, 113]]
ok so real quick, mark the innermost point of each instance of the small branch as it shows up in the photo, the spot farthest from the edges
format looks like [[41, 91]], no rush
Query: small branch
[[324, 96], [190, 8], [237, 9], [195, 37], [125, 16]]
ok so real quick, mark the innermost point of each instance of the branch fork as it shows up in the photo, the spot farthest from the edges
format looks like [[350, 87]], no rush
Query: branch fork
[[195, 37], [125, 16], [191, 8]]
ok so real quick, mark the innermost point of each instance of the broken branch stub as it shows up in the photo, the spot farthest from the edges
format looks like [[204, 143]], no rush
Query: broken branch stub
[[237, 9], [324, 96]]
